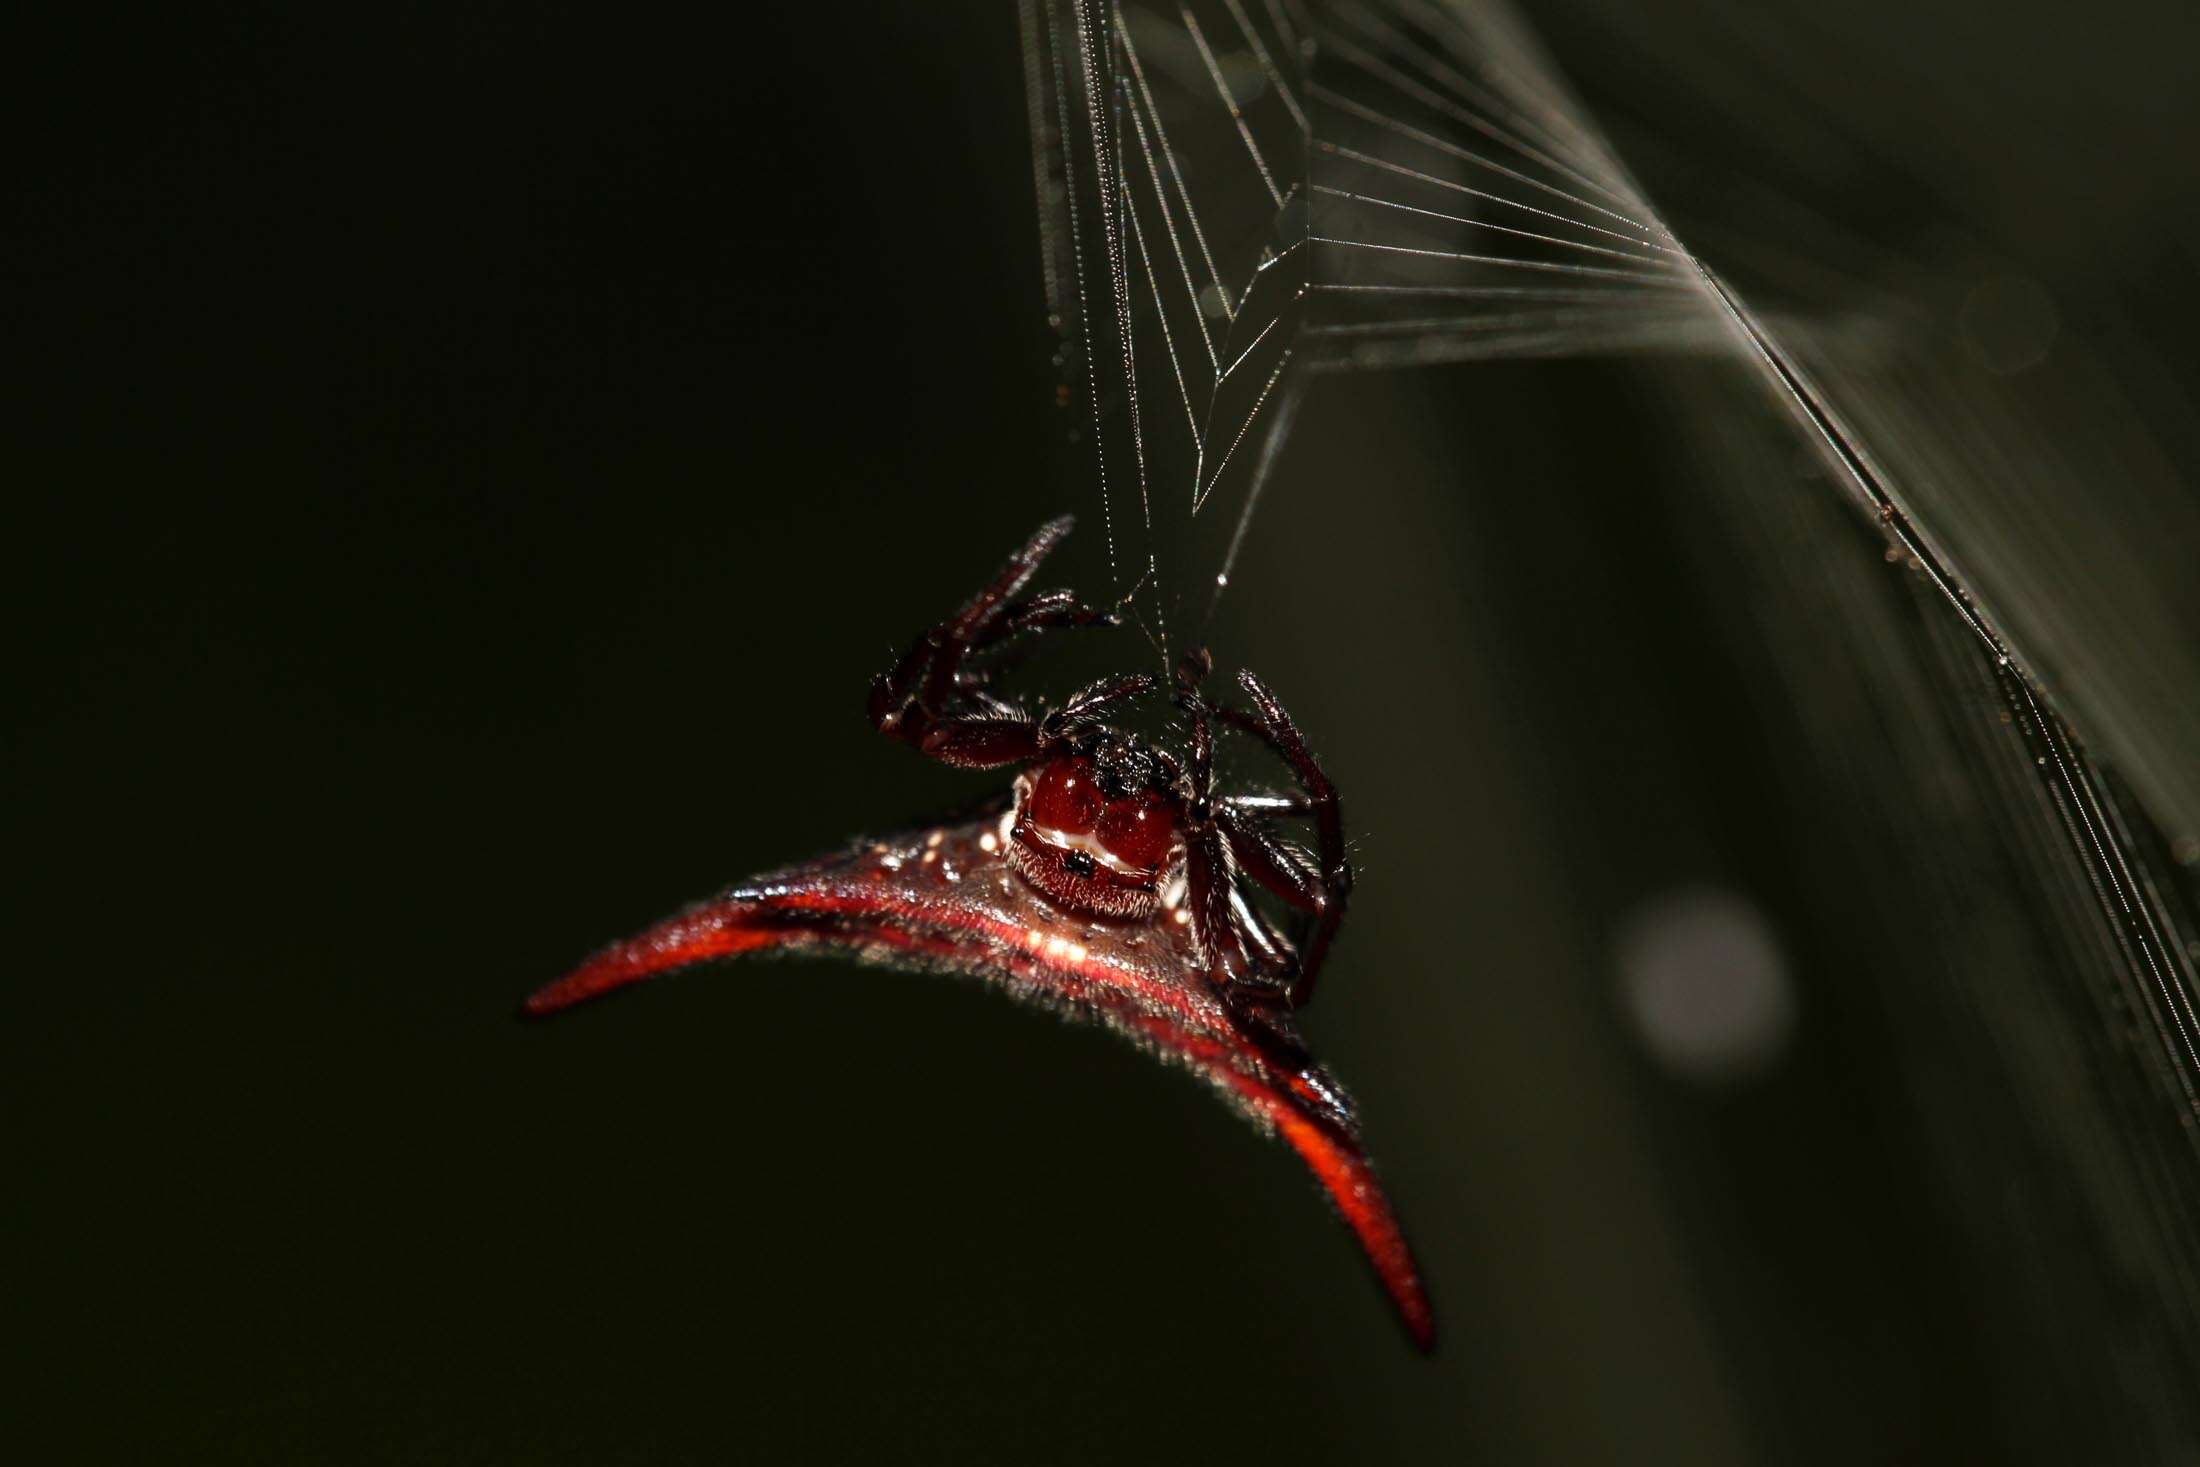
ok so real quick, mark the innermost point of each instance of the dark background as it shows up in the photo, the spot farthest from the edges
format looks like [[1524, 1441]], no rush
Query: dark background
[[466, 465]]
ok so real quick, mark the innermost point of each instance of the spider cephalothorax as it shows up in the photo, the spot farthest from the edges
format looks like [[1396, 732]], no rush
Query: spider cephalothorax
[[1109, 825], [1095, 832]]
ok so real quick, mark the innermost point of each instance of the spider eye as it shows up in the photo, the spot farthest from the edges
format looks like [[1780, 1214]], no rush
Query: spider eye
[[1066, 797], [1138, 831]]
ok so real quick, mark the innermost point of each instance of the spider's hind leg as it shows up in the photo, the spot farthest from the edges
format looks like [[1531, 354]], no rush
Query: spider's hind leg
[[1262, 1012], [1321, 892]]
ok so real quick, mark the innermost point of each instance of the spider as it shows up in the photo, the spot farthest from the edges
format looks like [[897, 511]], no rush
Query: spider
[[1108, 824], [1056, 895]]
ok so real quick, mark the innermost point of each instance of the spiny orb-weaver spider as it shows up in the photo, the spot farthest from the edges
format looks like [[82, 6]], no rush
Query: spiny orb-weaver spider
[[1110, 883], [1106, 822]]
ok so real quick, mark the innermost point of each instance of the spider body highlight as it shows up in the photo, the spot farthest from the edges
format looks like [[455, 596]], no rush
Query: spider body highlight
[[1111, 825]]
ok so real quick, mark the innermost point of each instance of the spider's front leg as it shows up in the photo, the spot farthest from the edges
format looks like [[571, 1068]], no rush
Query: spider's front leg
[[936, 700]]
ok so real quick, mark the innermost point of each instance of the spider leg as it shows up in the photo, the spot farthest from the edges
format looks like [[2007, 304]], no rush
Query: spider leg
[[1210, 888], [1009, 643], [1252, 966], [1203, 745], [1086, 703], [983, 703], [968, 626], [928, 689], [985, 741], [1210, 877], [1045, 612], [1192, 669], [1281, 868], [1275, 728], [1242, 721], [1260, 805], [1273, 959], [1258, 994]]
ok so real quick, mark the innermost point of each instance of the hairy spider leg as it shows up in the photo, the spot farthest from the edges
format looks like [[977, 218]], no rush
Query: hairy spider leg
[[1210, 874], [1317, 891], [1005, 642], [994, 740], [935, 700], [1274, 865], [1086, 703], [925, 677]]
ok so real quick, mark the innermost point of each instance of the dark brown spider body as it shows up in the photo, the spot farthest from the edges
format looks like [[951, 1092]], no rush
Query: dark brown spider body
[[1110, 825]]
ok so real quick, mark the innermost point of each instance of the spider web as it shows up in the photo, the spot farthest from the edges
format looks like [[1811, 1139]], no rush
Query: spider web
[[1241, 195], [1238, 197]]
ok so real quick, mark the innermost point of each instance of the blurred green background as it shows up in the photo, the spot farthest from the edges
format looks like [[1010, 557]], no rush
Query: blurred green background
[[469, 463]]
